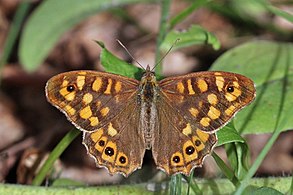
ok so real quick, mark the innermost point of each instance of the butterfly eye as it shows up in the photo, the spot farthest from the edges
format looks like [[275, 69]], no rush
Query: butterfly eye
[[70, 88], [189, 150], [101, 143], [197, 143], [230, 89], [122, 160], [176, 159], [109, 151]]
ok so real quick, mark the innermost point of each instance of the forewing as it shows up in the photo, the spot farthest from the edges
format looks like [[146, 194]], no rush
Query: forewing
[[120, 145], [178, 147], [207, 100], [90, 99]]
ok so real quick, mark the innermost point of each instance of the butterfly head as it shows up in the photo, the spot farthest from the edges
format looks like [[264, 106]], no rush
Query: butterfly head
[[148, 76]]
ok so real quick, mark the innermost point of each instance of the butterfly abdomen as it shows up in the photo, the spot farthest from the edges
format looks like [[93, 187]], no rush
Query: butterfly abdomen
[[147, 99]]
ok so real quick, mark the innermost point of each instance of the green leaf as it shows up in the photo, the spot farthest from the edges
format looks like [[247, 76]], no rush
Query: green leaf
[[67, 182], [236, 149], [194, 35], [270, 66], [261, 191], [51, 19], [238, 154], [228, 134], [115, 65], [208, 186]]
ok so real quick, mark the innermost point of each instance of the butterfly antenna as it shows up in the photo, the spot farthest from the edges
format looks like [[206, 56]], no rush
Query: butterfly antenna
[[122, 45], [175, 42]]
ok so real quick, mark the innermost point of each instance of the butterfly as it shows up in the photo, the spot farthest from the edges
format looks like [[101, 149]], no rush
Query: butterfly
[[176, 118]]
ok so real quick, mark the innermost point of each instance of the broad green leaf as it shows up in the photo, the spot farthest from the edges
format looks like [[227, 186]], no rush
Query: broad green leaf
[[270, 66], [51, 19], [228, 134], [192, 36], [115, 65]]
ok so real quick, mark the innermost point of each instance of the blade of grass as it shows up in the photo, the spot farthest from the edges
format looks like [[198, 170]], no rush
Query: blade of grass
[[280, 13], [21, 12], [226, 10], [291, 188], [185, 13], [226, 170], [193, 185], [257, 163], [58, 150], [276, 11], [176, 184]]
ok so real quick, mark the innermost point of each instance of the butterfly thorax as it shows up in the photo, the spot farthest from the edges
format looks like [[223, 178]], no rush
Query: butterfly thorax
[[147, 98]]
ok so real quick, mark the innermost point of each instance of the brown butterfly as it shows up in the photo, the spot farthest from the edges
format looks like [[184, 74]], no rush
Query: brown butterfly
[[176, 117]]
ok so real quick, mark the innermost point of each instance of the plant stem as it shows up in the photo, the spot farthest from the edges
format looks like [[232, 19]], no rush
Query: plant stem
[[165, 11], [58, 150]]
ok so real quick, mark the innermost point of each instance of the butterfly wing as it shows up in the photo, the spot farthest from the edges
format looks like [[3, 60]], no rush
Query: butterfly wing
[[103, 106], [190, 109], [208, 100], [121, 152], [177, 147], [90, 99]]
